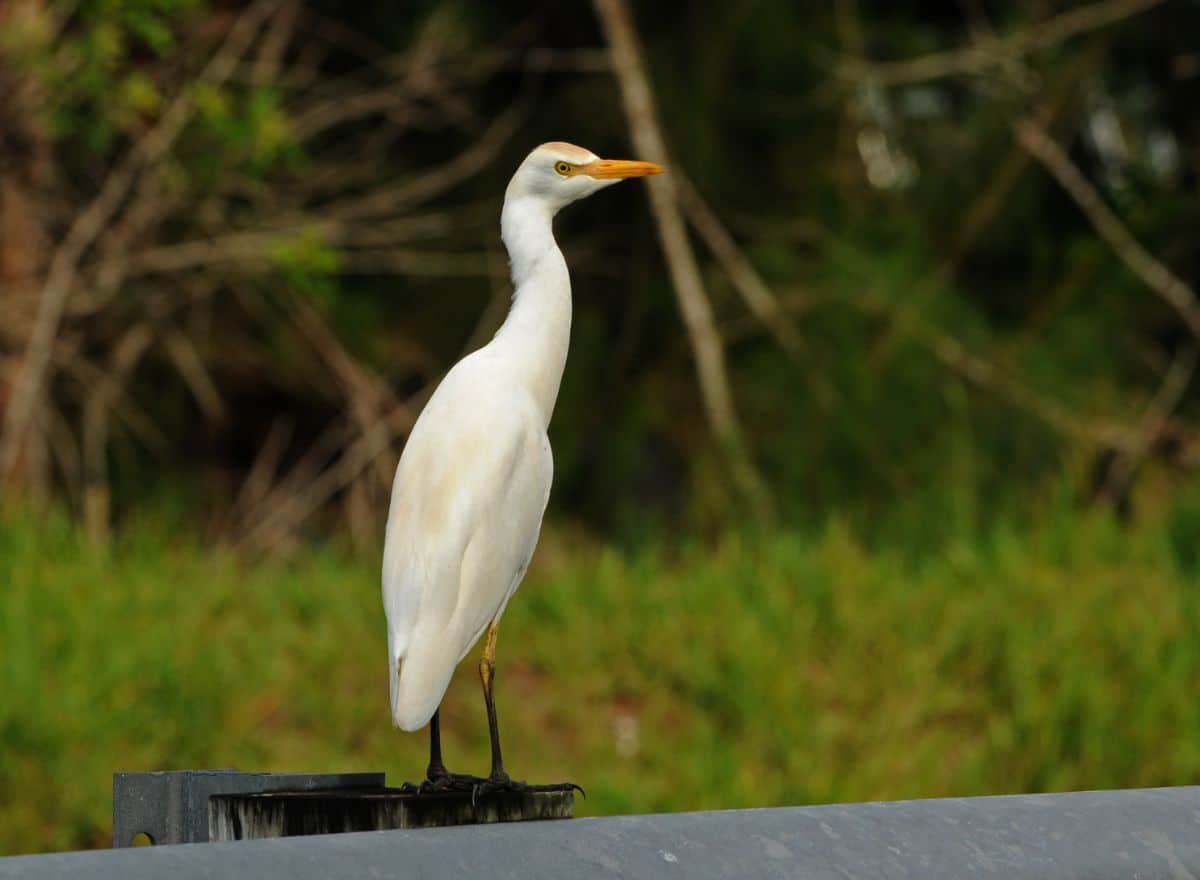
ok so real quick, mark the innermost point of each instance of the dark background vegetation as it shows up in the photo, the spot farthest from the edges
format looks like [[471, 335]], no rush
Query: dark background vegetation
[[240, 243]]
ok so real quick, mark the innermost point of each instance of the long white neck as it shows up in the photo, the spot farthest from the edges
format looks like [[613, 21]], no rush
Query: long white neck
[[534, 337]]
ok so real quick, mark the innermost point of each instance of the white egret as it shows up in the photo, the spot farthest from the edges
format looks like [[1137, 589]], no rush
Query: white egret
[[474, 478]]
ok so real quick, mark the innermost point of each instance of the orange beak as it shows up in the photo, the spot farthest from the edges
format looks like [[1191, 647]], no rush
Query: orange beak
[[610, 169]]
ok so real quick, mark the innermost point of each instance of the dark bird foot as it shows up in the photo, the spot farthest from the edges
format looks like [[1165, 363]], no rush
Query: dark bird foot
[[506, 784], [481, 786], [436, 783]]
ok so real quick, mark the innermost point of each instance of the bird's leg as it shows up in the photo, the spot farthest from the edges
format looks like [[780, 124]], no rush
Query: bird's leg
[[498, 779], [487, 675], [437, 777], [436, 770]]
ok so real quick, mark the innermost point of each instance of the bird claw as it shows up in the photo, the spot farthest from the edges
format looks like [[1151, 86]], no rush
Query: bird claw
[[481, 786], [450, 782], [442, 782], [490, 785]]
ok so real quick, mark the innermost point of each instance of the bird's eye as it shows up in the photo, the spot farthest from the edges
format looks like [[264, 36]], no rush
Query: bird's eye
[[562, 168]]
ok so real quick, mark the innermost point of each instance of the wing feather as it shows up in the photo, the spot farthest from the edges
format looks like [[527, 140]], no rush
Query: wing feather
[[466, 510]]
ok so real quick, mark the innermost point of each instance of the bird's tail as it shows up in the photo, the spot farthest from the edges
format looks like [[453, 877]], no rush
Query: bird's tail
[[394, 674], [419, 678], [396, 652]]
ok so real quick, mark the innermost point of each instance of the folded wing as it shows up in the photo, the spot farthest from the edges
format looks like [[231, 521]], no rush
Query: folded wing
[[466, 510]]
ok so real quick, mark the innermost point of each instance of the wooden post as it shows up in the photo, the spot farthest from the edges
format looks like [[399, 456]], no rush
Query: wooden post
[[296, 813], [193, 806]]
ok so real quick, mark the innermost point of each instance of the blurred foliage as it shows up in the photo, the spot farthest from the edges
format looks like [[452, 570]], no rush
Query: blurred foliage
[[93, 74], [784, 669], [886, 212], [946, 605]]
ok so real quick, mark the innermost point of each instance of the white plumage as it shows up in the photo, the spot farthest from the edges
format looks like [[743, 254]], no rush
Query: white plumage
[[474, 478], [467, 508]]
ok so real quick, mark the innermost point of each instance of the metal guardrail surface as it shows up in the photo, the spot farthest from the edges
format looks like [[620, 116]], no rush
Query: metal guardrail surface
[[1146, 833]]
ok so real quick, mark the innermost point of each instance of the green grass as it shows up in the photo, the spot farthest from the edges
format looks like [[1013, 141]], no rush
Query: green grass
[[782, 669]]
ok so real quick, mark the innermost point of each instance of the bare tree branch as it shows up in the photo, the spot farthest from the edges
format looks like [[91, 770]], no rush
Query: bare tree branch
[[707, 348], [96, 410], [1172, 289], [195, 374], [257, 482], [95, 381], [988, 53], [269, 59], [283, 510], [1154, 420], [746, 280], [257, 247], [430, 182], [90, 223], [983, 210], [978, 369], [366, 392]]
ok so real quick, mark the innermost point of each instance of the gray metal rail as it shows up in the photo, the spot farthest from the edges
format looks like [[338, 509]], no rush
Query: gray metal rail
[[1146, 833]]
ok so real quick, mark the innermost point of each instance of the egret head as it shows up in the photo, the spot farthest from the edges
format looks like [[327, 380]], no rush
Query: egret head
[[558, 173]]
